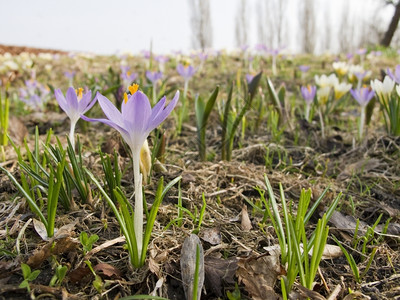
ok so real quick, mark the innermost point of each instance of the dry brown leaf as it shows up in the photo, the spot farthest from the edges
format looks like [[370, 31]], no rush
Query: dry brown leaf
[[246, 223], [188, 265], [78, 274], [306, 293], [63, 232], [217, 271], [40, 229], [17, 131], [212, 236], [331, 251], [154, 267], [363, 165], [259, 275], [108, 270], [57, 247]]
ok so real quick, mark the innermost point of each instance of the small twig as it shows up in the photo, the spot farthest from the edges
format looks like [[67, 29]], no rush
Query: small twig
[[20, 234], [393, 277], [103, 246], [323, 280], [335, 293]]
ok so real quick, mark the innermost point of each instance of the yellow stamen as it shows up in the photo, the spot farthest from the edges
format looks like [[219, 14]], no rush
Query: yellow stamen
[[79, 93], [133, 88], [125, 97], [128, 73]]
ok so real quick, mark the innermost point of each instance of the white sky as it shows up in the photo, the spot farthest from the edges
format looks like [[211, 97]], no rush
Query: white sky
[[105, 27]]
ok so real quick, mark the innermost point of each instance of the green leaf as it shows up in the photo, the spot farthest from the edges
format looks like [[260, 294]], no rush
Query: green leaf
[[253, 85], [32, 204], [26, 270], [274, 96], [210, 104], [24, 284], [34, 275]]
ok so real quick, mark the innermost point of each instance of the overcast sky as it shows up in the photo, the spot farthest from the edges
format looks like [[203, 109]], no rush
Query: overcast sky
[[105, 27]]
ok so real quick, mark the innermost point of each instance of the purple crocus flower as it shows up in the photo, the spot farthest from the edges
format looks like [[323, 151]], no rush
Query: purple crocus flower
[[362, 95], [161, 59], [128, 77], [134, 122], [244, 47], [75, 104], [136, 119], [349, 56], [361, 51], [249, 77], [308, 92], [203, 56], [261, 48], [304, 68], [146, 53], [274, 52], [124, 68], [34, 94], [396, 76], [186, 71], [154, 76], [69, 74]]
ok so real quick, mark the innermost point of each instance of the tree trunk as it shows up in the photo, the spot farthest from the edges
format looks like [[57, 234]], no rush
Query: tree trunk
[[387, 39]]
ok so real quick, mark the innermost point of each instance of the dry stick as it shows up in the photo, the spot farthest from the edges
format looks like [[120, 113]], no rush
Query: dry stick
[[323, 279], [393, 277], [103, 246], [20, 234], [335, 293]]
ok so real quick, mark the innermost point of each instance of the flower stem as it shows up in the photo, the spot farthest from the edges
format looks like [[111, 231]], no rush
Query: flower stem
[[307, 114], [138, 216], [154, 93], [322, 123], [72, 135], [185, 88], [274, 65], [362, 121]]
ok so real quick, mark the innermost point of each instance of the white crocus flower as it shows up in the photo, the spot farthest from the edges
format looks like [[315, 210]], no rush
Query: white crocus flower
[[326, 81], [11, 65], [341, 89], [340, 67], [323, 94], [383, 89], [357, 69], [398, 90]]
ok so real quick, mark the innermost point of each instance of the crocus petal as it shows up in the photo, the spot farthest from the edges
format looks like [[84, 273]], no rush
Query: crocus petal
[[61, 100], [90, 105], [84, 102], [158, 108], [110, 110], [72, 99], [162, 115], [108, 122], [136, 112], [180, 68]]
